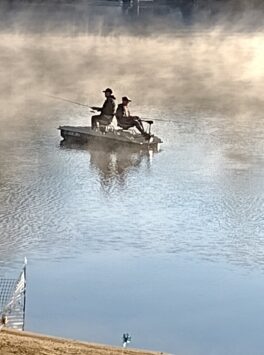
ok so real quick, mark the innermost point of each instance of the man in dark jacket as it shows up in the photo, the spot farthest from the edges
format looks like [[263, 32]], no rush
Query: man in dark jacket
[[107, 111], [125, 120]]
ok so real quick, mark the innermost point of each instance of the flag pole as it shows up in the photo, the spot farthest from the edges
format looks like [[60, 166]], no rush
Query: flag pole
[[25, 285]]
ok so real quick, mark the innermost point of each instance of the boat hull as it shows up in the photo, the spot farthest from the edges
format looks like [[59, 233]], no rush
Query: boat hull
[[85, 135]]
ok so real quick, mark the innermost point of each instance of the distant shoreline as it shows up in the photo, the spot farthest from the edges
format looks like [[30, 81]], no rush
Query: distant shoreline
[[26, 343]]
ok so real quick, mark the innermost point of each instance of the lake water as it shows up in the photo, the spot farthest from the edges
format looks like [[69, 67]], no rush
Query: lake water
[[166, 246]]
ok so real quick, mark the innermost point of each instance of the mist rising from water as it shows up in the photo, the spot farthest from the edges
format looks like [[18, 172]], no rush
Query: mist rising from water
[[190, 68], [198, 65]]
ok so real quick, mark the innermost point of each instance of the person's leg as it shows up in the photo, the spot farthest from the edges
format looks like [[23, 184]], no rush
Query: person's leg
[[95, 121], [138, 123], [132, 121], [139, 126], [105, 120]]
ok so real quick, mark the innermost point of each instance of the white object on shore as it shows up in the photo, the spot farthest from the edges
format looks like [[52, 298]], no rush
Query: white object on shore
[[126, 339]]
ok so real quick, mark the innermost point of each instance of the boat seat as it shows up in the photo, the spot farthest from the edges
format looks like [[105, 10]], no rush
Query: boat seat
[[104, 128]]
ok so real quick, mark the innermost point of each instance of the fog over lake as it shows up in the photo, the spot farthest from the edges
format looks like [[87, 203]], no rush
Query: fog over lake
[[167, 246]]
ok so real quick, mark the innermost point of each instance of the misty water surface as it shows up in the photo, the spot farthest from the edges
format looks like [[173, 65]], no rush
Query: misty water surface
[[165, 246]]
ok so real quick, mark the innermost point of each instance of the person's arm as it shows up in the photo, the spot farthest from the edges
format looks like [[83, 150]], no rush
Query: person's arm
[[96, 108], [113, 106], [119, 113]]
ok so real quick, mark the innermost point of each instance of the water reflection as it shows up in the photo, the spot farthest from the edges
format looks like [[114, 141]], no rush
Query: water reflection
[[113, 163]]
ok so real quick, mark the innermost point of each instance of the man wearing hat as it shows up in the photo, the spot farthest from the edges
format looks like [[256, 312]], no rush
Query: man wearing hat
[[125, 120], [107, 111]]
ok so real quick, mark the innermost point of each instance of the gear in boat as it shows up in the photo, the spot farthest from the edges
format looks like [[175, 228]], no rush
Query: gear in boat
[[102, 128]]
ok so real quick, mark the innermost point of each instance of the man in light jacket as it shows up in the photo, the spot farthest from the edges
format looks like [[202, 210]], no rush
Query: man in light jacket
[[125, 120]]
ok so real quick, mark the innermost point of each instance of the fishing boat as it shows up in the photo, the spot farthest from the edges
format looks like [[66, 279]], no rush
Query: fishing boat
[[111, 135]]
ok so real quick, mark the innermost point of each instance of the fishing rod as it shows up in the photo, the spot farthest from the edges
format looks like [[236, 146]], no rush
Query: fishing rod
[[67, 100], [149, 121], [144, 119]]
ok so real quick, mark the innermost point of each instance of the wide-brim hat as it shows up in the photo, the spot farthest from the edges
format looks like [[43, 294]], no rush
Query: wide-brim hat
[[108, 90], [125, 98]]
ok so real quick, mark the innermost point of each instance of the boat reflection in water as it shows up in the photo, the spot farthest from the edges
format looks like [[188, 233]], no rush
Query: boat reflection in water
[[114, 163]]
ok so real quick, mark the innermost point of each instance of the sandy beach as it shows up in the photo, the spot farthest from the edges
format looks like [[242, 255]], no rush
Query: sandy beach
[[24, 343]]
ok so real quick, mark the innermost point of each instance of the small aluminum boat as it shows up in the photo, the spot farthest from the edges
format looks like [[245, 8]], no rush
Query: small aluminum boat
[[116, 136]]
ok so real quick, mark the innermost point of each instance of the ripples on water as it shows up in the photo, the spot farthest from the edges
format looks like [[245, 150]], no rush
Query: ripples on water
[[202, 194], [182, 216]]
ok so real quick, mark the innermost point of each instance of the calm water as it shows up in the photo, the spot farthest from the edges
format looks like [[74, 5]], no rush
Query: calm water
[[167, 246]]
